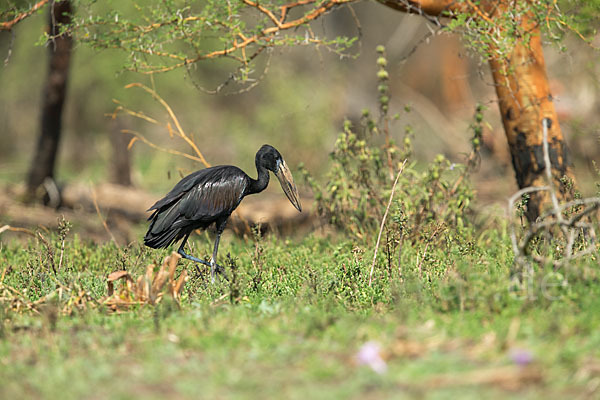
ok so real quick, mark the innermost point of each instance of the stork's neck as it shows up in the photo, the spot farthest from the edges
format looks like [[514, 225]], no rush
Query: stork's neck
[[259, 184]]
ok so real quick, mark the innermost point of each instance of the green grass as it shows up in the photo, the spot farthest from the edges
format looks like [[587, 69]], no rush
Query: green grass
[[304, 309]]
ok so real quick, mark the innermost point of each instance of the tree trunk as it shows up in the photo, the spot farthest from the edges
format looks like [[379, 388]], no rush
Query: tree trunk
[[524, 99], [121, 162], [59, 47]]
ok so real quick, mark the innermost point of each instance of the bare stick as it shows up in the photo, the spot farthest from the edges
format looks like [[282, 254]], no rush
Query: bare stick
[[62, 252], [95, 200], [180, 132], [142, 138], [546, 122], [383, 221]]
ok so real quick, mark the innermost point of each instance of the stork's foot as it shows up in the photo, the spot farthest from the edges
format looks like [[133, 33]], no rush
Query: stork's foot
[[214, 267]]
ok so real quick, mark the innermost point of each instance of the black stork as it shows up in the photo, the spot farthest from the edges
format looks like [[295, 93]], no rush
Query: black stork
[[210, 195]]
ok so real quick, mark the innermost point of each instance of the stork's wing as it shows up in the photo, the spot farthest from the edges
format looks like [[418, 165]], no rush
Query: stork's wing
[[182, 187], [214, 198], [200, 198]]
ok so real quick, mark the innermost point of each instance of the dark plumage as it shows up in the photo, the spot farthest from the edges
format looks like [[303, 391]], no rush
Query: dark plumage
[[210, 196]]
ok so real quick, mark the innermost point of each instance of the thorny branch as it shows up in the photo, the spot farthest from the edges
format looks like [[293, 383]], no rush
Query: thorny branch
[[233, 77], [263, 39]]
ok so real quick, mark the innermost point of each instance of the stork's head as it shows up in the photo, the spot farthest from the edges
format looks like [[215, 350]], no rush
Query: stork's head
[[271, 159]]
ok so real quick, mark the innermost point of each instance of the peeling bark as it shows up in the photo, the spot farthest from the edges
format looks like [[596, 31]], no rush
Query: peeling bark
[[525, 100]]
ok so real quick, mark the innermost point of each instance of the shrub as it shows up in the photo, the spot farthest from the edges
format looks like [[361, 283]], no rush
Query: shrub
[[364, 164]]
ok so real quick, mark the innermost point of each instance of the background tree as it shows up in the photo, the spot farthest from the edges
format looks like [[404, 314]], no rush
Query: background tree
[[508, 35], [55, 90], [172, 35]]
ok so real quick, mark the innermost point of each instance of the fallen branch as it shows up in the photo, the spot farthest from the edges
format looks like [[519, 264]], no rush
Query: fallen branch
[[123, 205]]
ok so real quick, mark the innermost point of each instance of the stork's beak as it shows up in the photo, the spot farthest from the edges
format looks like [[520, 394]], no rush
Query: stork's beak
[[287, 184]]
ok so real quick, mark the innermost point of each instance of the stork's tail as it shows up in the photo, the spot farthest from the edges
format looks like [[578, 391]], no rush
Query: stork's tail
[[158, 238], [161, 239], [161, 232]]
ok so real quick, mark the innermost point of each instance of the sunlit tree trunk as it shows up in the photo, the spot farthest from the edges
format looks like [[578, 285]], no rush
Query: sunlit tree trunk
[[524, 99], [59, 50]]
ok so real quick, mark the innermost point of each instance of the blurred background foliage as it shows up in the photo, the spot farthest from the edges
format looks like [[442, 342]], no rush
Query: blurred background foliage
[[300, 104]]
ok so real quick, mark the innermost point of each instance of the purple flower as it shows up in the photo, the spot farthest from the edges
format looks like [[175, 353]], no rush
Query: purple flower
[[521, 357], [370, 355]]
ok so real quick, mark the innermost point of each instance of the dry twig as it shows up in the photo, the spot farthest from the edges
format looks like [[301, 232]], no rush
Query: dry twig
[[383, 221], [179, 132], [104, 224]]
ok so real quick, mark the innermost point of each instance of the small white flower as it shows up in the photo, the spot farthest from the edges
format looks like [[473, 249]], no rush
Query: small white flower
[[370, 355]]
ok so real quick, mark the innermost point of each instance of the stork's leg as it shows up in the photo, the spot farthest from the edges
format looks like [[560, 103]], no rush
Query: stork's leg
[[213, 268], [185, 255], [213, 260]]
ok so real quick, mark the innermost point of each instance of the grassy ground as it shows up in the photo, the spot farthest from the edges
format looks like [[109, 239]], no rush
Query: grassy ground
[[295, 319], [442, 319]]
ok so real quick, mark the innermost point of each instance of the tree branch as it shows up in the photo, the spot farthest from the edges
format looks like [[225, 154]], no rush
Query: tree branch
[[265, 11], [430, 7], [266, 34], [7, 25]]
